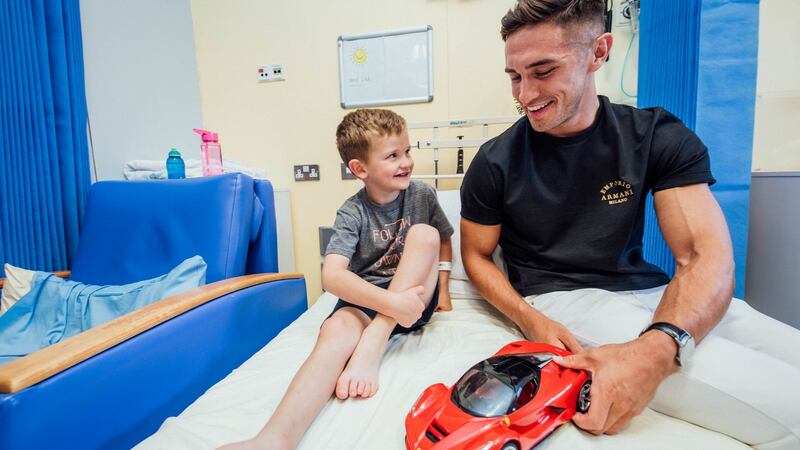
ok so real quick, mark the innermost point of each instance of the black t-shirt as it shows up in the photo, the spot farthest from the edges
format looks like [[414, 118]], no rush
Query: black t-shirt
[[571, 209]]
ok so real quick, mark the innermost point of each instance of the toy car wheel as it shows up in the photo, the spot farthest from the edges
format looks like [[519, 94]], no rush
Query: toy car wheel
[[510, 446], [583, 397]]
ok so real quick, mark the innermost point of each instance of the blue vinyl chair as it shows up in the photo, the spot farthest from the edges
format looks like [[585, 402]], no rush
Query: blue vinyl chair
[[113, 385]]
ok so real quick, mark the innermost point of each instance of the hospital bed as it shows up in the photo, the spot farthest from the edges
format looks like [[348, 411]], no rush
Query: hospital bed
[[239, 405], [113, 385]]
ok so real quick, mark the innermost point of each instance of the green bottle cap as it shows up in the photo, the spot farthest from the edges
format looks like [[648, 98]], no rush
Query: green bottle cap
[[174, 152]]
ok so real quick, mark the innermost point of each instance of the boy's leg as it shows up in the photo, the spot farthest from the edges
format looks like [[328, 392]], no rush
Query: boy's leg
[[314, 382], [417, 267], [360, 377], [419, 264]]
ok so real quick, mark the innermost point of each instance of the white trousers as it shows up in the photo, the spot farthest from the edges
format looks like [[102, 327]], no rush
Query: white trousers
[[743, 378]]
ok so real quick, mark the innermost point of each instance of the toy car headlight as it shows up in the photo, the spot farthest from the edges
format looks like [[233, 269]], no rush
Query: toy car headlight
[[417, 405]]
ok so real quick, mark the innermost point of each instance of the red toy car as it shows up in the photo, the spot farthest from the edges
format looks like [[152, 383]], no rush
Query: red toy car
[[511, 400]]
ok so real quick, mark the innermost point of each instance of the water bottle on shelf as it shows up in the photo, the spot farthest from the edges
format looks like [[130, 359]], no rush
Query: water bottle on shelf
[[211, 151], [176, 169]]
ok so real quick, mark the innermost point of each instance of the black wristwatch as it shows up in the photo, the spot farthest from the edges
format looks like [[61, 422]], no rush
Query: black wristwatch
[[681, 337]]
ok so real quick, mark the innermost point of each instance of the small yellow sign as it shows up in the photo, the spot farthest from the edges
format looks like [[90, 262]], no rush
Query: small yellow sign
[[360, 56]]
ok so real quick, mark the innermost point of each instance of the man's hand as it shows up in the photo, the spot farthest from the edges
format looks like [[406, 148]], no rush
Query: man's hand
[[407, 305], [538, 327], [624, 379]]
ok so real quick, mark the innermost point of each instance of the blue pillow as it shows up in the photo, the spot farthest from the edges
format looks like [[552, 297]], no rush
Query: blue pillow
[[55, 309]]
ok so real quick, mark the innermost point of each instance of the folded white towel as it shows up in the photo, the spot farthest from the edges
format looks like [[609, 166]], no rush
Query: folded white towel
[[144, 169]]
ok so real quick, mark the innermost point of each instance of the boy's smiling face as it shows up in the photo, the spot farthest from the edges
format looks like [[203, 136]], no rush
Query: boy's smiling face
[[388, 167]]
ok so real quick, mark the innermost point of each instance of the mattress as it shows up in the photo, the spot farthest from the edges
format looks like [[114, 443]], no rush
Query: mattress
[[239, 405]]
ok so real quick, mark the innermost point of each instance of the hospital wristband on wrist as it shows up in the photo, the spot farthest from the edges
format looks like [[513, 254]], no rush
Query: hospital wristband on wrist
[[445, 266]]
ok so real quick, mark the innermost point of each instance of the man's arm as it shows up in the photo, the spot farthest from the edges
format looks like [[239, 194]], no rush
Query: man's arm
[[478, 242], [695, 230], [405, 307], [445, 254], [626, 376]]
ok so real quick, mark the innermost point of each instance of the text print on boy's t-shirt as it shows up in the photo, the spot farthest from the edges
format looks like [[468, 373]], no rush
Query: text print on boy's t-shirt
[[395, 250]]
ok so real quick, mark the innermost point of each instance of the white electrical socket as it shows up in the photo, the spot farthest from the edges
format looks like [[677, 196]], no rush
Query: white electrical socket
[[273, 72]]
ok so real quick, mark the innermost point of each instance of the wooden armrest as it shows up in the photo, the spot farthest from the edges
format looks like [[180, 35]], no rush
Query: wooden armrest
[[42, 364], [62, 274]]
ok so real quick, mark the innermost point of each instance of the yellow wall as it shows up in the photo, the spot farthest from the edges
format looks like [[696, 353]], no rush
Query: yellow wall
[[277, 125]]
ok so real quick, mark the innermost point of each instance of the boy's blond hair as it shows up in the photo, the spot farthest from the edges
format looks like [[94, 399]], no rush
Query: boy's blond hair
[[356, 129]]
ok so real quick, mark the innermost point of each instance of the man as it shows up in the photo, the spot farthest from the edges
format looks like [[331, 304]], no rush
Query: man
[[563, 194]]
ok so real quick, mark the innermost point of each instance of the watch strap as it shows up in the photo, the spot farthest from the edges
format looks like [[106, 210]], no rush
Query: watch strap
[[679, 335]]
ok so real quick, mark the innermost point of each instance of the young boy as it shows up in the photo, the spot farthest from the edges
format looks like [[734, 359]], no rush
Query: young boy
[[383, 262]]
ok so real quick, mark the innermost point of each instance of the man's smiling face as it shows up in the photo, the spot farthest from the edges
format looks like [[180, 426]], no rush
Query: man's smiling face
[[551, 74]]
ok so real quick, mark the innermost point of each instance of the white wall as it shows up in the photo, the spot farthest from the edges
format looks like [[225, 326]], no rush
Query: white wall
[[142, 91], [776, 138]]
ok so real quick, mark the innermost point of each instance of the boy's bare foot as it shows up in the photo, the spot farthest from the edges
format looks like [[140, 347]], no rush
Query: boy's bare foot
[[408, 305], [360, 377]]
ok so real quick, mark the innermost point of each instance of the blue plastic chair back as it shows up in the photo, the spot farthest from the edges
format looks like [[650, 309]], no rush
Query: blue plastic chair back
[[134, 230]]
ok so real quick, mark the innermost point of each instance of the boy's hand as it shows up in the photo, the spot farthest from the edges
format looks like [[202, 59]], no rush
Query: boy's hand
[[408, 305], [444, 301]]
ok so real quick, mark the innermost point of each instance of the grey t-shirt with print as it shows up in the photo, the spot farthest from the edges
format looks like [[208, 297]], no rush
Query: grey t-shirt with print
[[373, 235]]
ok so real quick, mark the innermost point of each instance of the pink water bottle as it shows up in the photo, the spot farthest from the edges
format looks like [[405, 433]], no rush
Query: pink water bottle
[[212, 152]]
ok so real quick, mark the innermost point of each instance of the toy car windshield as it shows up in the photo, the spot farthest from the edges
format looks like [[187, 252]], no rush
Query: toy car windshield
[[499, 385]]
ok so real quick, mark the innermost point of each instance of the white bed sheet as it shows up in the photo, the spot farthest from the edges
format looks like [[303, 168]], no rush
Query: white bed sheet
[[238, 406]]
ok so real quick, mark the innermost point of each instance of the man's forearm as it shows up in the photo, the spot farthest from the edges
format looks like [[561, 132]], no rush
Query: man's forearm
[[495, 288], [695, 230], [698, 295]]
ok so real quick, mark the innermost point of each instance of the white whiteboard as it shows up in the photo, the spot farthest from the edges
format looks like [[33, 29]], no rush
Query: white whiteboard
[[388, 68]]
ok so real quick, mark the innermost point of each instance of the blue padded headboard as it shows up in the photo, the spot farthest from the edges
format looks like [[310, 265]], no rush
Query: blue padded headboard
[[134, 230]]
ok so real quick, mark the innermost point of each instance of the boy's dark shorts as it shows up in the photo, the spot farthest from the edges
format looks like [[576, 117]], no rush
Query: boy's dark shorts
[[426, 315]]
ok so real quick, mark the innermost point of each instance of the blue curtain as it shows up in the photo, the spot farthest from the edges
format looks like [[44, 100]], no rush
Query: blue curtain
[[668, 62], [44, 158], [726, 103], [698, 59]]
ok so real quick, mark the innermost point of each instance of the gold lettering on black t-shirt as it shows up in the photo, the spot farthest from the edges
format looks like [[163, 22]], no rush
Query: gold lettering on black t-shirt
[[616, 192]]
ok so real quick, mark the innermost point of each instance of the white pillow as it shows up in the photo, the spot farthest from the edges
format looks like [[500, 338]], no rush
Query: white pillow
[[460, 286], [17, 284]]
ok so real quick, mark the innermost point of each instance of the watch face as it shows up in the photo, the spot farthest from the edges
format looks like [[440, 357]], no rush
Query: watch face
[[686, 350]]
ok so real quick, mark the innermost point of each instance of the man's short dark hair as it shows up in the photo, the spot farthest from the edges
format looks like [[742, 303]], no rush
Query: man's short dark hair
[[564, 13]]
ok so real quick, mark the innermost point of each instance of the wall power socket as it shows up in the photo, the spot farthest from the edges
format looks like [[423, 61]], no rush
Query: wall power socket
[[270, 73]]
